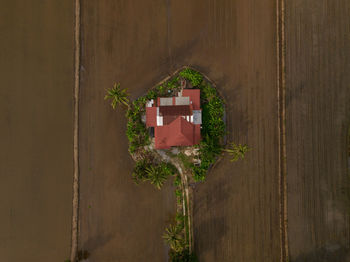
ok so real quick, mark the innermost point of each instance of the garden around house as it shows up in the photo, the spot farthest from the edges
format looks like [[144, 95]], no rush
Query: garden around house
[[187, 165]]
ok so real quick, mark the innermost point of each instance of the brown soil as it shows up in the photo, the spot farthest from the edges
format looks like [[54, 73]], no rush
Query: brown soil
[[36, 153], [318, 115], [119, 221], [236, 212]]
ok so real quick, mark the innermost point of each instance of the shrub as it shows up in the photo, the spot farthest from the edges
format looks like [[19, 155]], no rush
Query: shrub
[[136, 130], [139, 173], [213, 130], [156, 173], [177, 180], [173, 83], [178, 193], [183, 256], [173, 236], [237, 151], [185, 160], [191, 75]]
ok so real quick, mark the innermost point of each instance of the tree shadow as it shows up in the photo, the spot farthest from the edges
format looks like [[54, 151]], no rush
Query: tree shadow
[[209, 230], [95, 242], [209, 233]]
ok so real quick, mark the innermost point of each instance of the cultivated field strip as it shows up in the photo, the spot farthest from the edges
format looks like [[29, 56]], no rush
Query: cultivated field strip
[[317, 118], [36, 123]]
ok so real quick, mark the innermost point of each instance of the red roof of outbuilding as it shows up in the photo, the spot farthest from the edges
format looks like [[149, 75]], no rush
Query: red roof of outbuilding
[[151, 116], [195, 97]]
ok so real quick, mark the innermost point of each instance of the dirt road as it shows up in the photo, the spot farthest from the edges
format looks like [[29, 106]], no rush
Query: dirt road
[[318, 115], [36, 156]]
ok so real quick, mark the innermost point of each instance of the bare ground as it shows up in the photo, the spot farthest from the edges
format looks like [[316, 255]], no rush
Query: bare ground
[[318, 115], [119, 221], [36, 154], [236, 212]]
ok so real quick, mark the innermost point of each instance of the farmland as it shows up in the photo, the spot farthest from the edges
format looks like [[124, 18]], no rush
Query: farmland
[[318, 115], [36, 156], [295, 119], [236, 212]]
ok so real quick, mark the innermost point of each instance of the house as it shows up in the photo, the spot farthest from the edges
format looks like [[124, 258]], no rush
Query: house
[[176, 120]]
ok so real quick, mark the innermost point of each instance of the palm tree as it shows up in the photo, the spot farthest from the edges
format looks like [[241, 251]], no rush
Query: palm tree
[[156, 176], [237, 151], [117, 95], [173, 238]]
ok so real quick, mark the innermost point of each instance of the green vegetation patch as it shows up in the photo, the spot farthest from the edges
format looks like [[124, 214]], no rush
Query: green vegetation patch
[[136, 130], [191, 75], [213, 130]]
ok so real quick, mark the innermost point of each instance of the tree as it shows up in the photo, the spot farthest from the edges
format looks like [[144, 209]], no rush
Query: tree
[[117, 95], [237, 151], [173, 237], [183, 256], [156, 175]]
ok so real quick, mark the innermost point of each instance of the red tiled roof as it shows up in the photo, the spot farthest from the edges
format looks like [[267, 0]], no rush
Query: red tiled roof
[[175, 131], [175, 110], [151, 116], [195, 97], [179, 133]]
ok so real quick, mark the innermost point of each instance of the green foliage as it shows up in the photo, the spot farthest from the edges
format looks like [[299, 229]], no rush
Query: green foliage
[[173, 83], [117, 95], [213, 130], [178, 192], [237, 151], [179, 217], [191, 75], [139, 173], [157, 174], [136, 130], [174, 238], [183, 256], [177, 180], [180, 220], [161, 90], [212, 113], [152, 94], [185, 160]]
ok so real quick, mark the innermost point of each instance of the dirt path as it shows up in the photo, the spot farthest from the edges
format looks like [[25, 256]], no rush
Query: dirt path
[[75, 205], [186, 191], [281, 96]]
